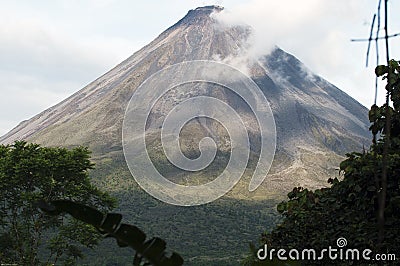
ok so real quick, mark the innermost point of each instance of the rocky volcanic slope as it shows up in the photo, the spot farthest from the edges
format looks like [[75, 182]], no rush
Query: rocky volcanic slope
[[316, 124], [315, 120]]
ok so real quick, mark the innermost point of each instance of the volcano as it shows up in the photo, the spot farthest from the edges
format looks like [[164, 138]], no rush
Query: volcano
[[316, 124]]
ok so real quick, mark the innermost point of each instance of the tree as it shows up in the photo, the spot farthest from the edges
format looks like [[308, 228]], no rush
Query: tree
[[28, 173], [350, 208]]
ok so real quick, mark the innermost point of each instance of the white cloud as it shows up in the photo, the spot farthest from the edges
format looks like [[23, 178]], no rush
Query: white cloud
[[318, 33], [273, 22]]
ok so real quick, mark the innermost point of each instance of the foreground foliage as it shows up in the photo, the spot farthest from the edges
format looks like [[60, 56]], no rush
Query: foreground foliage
[[150, 252], [350, 207], [28, 173]]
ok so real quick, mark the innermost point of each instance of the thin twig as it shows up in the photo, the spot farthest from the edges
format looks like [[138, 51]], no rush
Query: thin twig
[[370, 39], [376, 38], [377, 53], [382, 198]]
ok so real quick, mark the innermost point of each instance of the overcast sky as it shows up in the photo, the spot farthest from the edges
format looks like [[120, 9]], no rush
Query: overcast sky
[[51, 49]]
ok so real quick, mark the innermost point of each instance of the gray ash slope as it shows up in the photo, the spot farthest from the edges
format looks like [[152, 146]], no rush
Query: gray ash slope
[[316, 122]]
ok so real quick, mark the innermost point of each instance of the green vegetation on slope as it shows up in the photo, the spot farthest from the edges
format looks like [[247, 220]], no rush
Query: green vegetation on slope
[[214, 234]]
